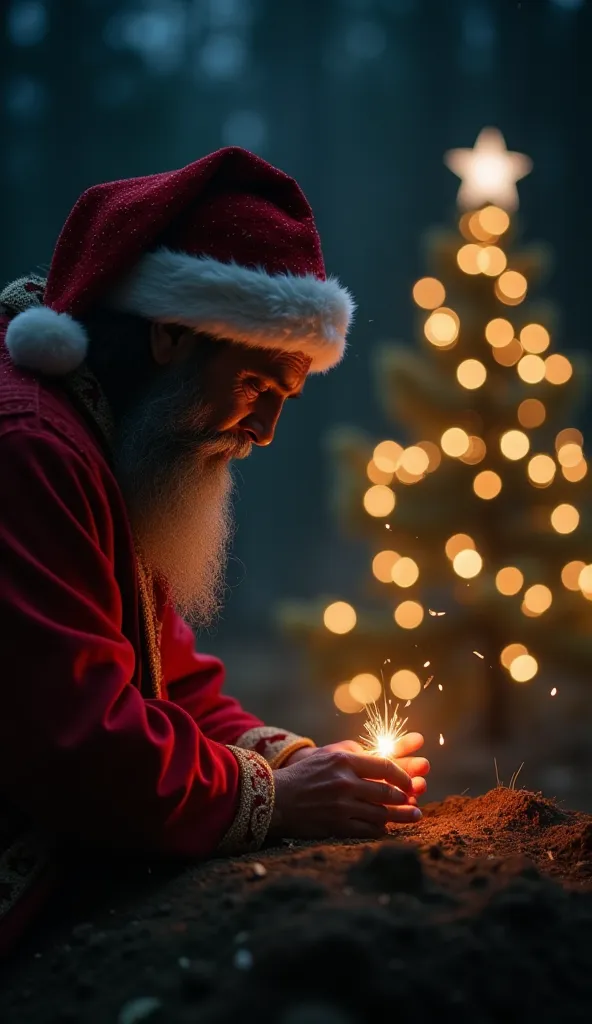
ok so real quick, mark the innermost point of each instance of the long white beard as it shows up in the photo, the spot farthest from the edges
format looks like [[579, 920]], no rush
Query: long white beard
[[185, 538]]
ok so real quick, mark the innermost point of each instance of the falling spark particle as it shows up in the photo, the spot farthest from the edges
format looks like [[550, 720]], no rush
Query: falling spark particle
[[553, 691], [427, 682], [440, 613], [478, 654], [387, 526], [430, 612], [408, 703], [441, 740], [425, 664], [440, 687]]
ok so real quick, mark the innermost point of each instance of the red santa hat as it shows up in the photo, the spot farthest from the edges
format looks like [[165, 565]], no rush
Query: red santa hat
[[226, 245]]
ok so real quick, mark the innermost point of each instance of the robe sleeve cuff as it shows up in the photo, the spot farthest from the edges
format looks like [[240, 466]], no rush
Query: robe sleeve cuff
[[275, 745], [255, 807]]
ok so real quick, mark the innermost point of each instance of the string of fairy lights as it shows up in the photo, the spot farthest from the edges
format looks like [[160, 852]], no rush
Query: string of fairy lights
[[489, 172]]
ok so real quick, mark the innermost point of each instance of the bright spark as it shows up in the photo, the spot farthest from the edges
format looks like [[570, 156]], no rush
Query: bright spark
[[383, 730], [425, 664], [553, 691], [478, 654], [427, 682], [440, 687], [441, 740]]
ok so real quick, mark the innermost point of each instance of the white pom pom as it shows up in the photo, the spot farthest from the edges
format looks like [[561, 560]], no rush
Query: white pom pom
[[49, 342]]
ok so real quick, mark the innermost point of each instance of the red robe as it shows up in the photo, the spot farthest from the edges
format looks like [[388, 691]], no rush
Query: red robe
[[85, 754]]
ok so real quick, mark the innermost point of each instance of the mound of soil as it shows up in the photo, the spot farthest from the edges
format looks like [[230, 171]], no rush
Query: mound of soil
[[482, 912]]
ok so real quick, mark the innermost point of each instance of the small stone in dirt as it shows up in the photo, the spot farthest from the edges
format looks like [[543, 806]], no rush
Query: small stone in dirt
[[138, 1009], [259, 869], [243, 959]]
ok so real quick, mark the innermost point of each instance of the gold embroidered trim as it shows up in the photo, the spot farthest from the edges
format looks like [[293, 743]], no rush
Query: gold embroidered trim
[[275, 745], [257, 793]]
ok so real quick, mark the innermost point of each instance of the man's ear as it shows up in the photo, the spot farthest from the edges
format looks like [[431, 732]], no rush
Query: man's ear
[[170, 343]]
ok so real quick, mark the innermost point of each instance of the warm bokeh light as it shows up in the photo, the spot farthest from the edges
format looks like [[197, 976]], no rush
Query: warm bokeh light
[[491, 260], [477, 230], [467, 563], [429, 293], [531, 369], [471, 374], [405, 572], [509, 354], [433, 453], [514, 444], [382, 565], [575, 473], [570, 454], [585, 579], [376, 475], [339, 617], [535, 338], [541, 470], [537, 599], [570, 574], [523, 668], [558, 369], [509, 580], [379, 500], [511, 287], [458, 542], [499, 332], [409, 614], [454, 442], [487, 484], [344, 701], [365, 688], [569, 435], [386, 455], [511, 652], [467, 258], [476, 451], [405, 684], [565, 518], [493, 220], [441, 328], [414, 460], [531, 413]]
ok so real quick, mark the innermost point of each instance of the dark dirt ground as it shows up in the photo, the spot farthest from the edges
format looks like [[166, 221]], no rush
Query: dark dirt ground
[[482, 912]]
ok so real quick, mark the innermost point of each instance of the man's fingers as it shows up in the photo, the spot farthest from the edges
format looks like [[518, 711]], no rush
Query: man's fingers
[[414, 765], [419, 786], [408, 744], [404, 815], [379, 793], [370, 767]]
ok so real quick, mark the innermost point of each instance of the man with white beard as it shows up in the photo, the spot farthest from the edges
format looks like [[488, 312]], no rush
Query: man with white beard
[[180, 312]]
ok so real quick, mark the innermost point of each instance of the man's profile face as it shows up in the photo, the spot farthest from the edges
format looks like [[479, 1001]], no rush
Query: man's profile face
[[242, 389], [208, 403]]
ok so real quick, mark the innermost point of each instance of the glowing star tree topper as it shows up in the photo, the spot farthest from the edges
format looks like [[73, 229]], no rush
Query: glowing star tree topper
[[488, 172]]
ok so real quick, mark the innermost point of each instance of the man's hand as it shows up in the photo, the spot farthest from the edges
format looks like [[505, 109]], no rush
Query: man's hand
[[335, 792], [416, 767]]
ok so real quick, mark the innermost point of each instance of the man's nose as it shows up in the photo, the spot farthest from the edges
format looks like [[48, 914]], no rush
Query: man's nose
[[261, 423]]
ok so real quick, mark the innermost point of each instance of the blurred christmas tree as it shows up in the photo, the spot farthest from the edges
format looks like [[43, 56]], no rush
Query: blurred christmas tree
[[479, 523]]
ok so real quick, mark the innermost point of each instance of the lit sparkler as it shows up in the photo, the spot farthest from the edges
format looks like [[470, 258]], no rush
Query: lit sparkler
[[383, 731]]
